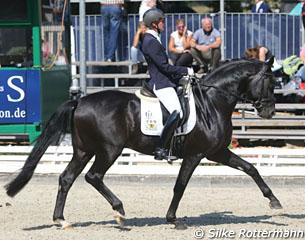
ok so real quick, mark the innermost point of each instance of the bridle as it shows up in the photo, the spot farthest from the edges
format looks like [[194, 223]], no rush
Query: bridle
[[258, 104], [262, 100]]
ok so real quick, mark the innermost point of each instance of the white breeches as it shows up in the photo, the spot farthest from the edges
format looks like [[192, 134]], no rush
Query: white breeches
[[168, 97]]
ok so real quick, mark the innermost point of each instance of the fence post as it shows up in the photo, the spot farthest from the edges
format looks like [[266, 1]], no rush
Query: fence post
[[222, 27], [82, 50]]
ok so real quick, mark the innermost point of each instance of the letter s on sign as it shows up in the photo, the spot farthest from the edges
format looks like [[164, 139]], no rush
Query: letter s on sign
[[16, 88]]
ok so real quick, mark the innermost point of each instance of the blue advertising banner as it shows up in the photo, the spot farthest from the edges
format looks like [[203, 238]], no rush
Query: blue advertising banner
[[19, 96]]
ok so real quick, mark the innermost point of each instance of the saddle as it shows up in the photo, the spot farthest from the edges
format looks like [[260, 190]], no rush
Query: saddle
[[183, 99], [154, 115]]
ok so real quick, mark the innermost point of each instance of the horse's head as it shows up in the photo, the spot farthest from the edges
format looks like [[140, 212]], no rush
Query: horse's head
[[261, 89]]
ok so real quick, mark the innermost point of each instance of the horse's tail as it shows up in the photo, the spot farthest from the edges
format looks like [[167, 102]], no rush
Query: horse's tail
[[54, 129]]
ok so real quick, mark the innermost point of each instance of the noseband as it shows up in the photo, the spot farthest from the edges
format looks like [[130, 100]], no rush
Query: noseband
[[263, 99]]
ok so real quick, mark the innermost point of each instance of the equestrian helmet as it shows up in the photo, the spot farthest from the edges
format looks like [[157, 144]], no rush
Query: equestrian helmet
[[152, 15]]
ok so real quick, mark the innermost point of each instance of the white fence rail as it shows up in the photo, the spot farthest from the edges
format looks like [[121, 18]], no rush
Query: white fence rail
[[268, 161]]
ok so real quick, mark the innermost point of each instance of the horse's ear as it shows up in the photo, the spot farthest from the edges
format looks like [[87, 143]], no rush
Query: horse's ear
[[270, 61]]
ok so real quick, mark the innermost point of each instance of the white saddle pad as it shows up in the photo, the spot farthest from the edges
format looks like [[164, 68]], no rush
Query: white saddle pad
[[151, 116]]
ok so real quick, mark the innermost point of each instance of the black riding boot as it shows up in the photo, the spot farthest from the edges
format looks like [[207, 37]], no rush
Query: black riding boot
[[162, 151]]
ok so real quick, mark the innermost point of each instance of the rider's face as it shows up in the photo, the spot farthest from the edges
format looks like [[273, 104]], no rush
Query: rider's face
[[161, 25]]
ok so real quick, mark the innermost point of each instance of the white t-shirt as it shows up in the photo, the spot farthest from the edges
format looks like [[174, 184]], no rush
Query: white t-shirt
[[178, 39], [146, 5]]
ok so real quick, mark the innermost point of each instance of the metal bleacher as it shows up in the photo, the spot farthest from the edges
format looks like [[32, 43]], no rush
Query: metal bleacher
[[284, 125]]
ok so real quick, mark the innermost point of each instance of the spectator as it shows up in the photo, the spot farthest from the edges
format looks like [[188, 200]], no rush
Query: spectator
[[303, 13], [206, 45], [112, 11], [263, 54], [137, 57], [146, 5], [259, 52], [301, 71], [47, 11], [58, 6], [46, 52], [179, 45], [260, 7], [302, 54]]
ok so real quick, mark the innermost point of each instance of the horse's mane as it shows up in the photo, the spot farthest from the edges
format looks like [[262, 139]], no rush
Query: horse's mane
[[227, 65], [215, 79]]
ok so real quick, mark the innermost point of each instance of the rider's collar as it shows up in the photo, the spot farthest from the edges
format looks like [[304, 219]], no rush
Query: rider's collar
[[155, 34]]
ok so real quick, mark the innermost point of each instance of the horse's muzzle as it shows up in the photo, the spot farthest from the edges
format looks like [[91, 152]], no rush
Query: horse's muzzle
[[265, 109]]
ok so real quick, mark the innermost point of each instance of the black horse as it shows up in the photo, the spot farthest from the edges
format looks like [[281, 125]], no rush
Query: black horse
[[104, 123]]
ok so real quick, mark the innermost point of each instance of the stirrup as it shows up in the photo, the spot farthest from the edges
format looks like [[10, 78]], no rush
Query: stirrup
[[170, 159]]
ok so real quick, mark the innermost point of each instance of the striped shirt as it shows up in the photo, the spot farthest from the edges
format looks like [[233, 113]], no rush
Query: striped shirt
[[112, 2]]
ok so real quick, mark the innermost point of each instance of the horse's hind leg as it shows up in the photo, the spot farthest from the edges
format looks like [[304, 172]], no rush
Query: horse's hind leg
[[66, 179], [95, 176], [230, 159]]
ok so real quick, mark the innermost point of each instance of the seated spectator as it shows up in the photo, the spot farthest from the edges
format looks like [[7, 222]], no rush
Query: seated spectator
[[136, 55], [205, 45], [179, 45], [259, 52], [301, 71], [263, 54]]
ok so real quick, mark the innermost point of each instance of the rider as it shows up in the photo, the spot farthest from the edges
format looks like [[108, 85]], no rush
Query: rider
[[163, 77]]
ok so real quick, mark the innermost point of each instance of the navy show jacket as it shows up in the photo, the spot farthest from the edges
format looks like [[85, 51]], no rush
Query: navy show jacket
[[162, 74]]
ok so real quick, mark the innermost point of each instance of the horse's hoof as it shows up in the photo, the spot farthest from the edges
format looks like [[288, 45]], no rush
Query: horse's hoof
[[180, 225], [64, 224], [275, 205], [119, 218]]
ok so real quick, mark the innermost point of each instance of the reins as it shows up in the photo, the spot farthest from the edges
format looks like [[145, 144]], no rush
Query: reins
[[200, 85], [257, 104]]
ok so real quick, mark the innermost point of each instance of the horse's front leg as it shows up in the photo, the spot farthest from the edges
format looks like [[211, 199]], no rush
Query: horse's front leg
[[187, 168], [230, 159]]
